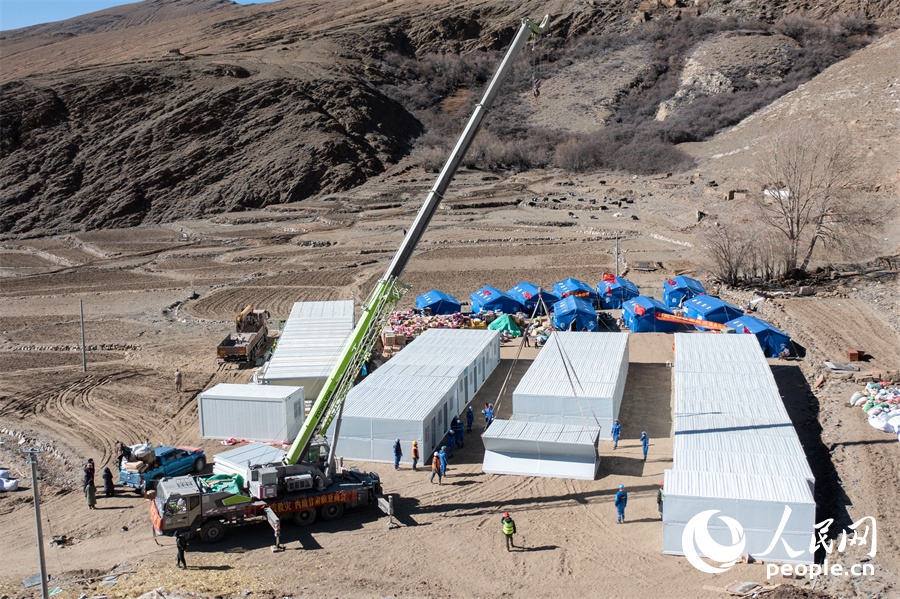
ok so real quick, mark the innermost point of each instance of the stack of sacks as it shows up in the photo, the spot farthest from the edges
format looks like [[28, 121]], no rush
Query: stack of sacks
[[412, 323], [881, 404]]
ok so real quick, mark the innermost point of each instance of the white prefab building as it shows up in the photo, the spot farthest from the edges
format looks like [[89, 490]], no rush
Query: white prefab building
[[256, 412], [239, 459], [736, 455], [577, 379], [309, 346], [416, 394], [539, 449]]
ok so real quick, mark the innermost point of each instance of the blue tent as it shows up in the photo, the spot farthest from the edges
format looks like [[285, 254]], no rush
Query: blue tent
[[638, 313], [491, 299], [615, 290], [575, 309], [772, 340], [438, 301], [527, 294], [681, 288], [571, 286], [706, 307]]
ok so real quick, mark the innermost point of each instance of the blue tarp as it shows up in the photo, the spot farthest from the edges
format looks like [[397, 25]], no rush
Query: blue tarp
[[706, 307], [527, 294], [571, 286], [681, 288], [575, 309], [438, 301], [638, 314], [491, 299], [615, 291], [772, 340]]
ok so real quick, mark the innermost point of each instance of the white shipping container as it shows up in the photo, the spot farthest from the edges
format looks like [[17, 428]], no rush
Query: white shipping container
[[254, 412], [540, 449]]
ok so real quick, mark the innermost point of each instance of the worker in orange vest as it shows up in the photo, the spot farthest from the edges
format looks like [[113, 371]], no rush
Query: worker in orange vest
[[436, 468], [415, 454]]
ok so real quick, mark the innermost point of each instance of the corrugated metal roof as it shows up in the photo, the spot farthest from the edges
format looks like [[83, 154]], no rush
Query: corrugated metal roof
[[250, 392], [311, 341], [733, 436], [392, 403], [590, 357], [747, 487], [252, 453], [542, 432]]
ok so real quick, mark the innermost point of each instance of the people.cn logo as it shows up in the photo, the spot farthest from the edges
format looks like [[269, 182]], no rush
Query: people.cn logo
[[696, 538]]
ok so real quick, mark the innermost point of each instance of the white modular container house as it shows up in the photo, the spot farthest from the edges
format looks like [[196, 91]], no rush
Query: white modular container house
[[736, 454], [539, 449], [415, 395], [239, 459], [577, 379], [309, 346], [256, 412]]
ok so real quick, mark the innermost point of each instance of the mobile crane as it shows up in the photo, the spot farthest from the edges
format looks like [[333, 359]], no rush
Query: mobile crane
[[307, 477]]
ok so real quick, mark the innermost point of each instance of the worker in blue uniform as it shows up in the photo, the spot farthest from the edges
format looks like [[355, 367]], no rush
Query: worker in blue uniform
[[621, 502], [616, 432]]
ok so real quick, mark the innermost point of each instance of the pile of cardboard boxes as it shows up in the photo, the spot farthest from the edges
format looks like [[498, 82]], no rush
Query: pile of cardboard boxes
[[392, 342]]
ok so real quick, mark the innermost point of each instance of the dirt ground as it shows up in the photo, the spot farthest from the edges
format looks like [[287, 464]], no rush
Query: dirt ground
[[160, 298]]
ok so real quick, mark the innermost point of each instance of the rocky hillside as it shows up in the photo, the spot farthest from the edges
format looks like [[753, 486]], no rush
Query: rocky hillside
[[168, 109]]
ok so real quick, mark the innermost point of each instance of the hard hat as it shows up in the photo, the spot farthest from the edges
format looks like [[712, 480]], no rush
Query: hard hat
[[506, 514], [396, 440], [443, 447], [415, 442], [643, 432], [662, 484], [621, 486], [450, 432], [435, 454], [470, 408]]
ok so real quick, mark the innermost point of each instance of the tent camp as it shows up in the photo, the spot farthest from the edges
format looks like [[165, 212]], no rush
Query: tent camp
[[639, 315], [772, 340], [528, 293], [438, 302], [574, 309], [505, 323], [491, 299], [614, 290], [681, 288], [705, 307], [571, 286]]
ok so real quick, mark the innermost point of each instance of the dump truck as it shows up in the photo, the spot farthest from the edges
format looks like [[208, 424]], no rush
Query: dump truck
[[248, 341], [210, 506]]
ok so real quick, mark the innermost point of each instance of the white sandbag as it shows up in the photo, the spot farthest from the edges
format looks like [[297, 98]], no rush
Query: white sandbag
[[9, 484], [894, 424], [4, 473], [139, 451], [855, 397], [880, 424], [861, 400], [875, 411]]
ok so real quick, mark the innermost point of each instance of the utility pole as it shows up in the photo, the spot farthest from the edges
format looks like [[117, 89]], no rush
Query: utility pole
[[83, 350], [617, 258], [32, 453]]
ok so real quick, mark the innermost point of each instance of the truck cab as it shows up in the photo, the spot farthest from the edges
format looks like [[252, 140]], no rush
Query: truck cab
[[169, 461]]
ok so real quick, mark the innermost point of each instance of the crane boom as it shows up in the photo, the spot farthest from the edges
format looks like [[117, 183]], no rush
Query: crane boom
[[389, 289]]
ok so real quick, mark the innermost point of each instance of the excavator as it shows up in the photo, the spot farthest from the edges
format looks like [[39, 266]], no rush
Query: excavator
[[308, 479]]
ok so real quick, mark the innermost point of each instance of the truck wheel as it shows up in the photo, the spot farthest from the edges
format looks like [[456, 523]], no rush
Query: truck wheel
[[332, 511], [199, 465], [305, 517], [212, 532]]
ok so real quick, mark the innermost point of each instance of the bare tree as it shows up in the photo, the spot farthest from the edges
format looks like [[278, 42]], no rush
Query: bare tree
[[727, 247], [807, 174]]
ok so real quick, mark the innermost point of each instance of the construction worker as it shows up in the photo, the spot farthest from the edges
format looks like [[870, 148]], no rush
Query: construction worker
[[645, 443], [460, 431], [470, 418], [442, 454], [177, 381], [660, 497], [487, 415], [509, 529], [88, 473], [436, 468], [398, 453], [451, 442], [616, 432], [415, 454], [181, 544], [621, 502]]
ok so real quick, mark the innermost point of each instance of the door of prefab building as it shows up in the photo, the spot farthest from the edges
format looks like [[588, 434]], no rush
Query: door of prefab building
[[434, 434]]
